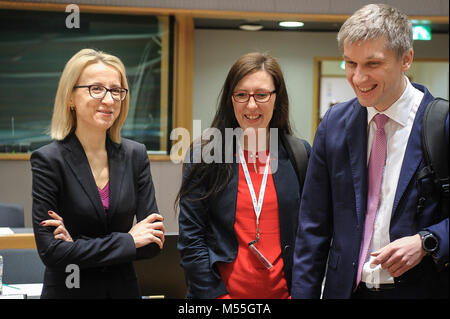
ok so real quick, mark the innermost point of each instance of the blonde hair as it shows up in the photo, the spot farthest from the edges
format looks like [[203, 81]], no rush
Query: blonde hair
[[378, 20], [64, 120]]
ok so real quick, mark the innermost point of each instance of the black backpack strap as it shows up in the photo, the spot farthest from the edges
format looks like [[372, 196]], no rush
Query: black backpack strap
[[434, 142], [297, 155], [435, 148]]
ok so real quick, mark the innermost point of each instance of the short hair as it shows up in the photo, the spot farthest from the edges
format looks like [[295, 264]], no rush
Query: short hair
[[378, 20], [64, 120], [245, 65]]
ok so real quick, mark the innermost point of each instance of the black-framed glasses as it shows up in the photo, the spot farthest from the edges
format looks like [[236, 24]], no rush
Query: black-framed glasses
[[244, 96], [99, 92]]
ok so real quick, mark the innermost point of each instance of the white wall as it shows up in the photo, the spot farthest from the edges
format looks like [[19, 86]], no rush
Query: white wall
[[216, 50], [434, 75], [334, 90]]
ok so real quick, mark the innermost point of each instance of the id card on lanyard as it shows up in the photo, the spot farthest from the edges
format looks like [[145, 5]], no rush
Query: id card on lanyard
[[257, 204]]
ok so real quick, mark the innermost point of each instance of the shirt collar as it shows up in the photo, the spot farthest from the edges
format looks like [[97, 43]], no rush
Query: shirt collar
[[399, 111]]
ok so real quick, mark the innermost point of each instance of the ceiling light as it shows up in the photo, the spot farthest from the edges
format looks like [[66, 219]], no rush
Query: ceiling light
[[250, 27], [414, 22], [291, 24]]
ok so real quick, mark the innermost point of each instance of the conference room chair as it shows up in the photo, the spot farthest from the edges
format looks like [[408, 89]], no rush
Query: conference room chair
[[11, 215], [22, 266]]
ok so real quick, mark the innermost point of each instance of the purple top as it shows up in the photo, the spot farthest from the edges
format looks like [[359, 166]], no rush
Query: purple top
[[104, 195]]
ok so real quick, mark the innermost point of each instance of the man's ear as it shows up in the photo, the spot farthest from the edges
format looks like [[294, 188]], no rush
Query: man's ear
[[407, 60]]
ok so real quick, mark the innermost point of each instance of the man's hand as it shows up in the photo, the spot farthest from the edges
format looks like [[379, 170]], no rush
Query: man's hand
[[400, 256]]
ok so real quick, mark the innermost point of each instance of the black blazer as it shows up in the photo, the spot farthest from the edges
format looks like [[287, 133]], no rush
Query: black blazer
[[207, 235], [102, 248]]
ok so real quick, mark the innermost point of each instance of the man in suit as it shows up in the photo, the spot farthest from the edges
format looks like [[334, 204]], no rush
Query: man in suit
[[358, 217]]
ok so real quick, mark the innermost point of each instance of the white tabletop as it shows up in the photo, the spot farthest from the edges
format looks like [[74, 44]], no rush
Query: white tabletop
[[21, 291]]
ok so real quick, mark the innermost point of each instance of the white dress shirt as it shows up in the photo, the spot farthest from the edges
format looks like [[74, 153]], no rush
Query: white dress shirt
[[398, 128]]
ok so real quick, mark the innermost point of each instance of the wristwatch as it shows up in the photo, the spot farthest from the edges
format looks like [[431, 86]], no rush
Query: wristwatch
[[429, 242]]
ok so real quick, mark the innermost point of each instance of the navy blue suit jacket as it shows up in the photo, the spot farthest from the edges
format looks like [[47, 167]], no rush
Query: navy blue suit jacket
[[207, 235], [102, 247], [334, 201]]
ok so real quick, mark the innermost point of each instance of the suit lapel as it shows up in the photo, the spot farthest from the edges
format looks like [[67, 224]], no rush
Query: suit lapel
[[77, 161], [356, 134], [413, 154], [116, 163]]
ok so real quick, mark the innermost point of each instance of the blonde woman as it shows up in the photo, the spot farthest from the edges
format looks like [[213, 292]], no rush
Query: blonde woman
[[88, 186]]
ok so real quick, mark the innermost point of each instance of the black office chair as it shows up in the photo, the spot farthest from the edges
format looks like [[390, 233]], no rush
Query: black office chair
[[22, 266], [11, 215]]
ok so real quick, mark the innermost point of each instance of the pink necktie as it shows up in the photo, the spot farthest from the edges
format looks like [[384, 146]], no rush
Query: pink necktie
[[375, 176]]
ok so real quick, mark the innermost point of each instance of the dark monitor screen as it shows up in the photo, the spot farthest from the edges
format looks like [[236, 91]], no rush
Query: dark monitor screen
[[162, 275]]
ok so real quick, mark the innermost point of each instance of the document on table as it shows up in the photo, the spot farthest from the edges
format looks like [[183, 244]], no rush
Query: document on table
[[5, 231], [29, 290]]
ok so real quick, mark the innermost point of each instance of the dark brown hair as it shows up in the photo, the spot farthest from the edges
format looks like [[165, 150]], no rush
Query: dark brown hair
[[215, 176], [245, 65]]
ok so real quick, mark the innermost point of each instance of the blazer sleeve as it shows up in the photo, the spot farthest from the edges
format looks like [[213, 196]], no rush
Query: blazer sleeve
[[202, 282], [146, 203], [307, 147], [47, 186], [314, 227]]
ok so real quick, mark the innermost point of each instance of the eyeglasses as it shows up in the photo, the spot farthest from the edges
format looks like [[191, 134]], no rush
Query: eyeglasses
[[99, 92], [243, 96]]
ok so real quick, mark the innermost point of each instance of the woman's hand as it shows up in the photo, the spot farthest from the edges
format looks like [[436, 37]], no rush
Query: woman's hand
[[60, 231], [149, 230]]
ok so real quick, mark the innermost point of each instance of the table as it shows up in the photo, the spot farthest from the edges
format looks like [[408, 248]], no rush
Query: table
[[21, 291], [21, 238]]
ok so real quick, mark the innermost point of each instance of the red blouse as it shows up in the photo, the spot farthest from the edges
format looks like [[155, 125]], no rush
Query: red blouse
[[246, 277]]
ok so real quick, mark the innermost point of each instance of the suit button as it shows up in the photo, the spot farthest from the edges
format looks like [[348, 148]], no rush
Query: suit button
[[354, 264]]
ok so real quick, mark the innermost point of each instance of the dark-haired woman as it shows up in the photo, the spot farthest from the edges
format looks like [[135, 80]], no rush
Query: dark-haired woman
[[238, 218]]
